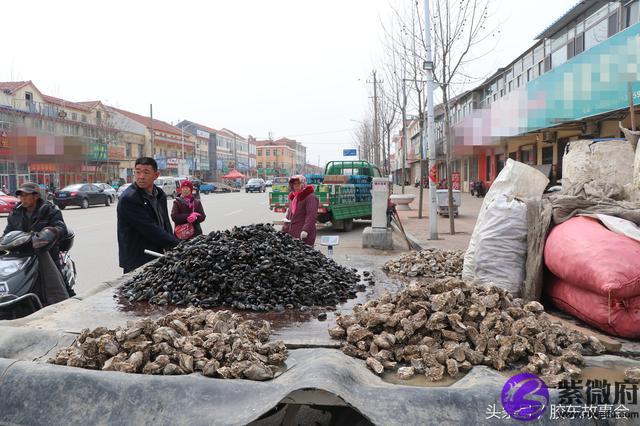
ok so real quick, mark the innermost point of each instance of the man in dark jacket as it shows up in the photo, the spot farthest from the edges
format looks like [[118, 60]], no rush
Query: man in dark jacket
[[33, 214], [143, 218]]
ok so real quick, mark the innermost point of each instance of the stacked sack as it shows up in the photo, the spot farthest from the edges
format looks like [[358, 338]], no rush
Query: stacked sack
[[596, 275]]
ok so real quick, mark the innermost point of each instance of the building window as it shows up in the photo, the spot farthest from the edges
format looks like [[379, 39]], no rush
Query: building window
[[488, 168], [268, 153], [74, 116], [559, 57], [632, 13], [84, 118], [128, 150], [548, 63], [596, 34], [547, 155], [259, 151], [613, 24], [579, 44]]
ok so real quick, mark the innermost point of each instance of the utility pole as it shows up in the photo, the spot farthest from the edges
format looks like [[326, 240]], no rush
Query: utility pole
[[405, 139], [430, 124], [376, 136], [151, 127]]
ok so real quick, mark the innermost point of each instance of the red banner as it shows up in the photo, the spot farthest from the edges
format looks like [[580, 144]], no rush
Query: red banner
[[433, 174], [455, 178]]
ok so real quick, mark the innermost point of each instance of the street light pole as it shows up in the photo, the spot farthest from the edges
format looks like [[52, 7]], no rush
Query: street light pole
[[194, 146], [430, 122]]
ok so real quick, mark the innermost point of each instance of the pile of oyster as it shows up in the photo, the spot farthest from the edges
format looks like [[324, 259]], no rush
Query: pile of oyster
[[251, 267], [447, 326], [429, 263], [219, 344]]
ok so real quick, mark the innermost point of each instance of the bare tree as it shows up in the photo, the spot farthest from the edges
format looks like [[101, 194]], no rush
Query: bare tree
[[364, 139], [388, 121], [395, 71], [459, 27]]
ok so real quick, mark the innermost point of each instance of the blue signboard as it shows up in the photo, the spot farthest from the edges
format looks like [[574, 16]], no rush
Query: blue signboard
[[349, 152]]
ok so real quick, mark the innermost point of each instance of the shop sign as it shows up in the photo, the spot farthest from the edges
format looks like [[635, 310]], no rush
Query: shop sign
[[173, 161], [202, 134], [89, 168], [43, 167], [116, 152], [97, 152]]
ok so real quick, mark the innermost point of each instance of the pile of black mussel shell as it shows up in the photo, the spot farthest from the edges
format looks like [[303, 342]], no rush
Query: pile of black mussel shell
[[252, 267]]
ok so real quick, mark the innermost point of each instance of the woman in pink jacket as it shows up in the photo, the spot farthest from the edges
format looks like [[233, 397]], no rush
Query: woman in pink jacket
[[301, 216]]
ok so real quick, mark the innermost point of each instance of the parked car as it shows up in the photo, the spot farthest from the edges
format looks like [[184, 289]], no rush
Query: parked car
[[82, 195], [168, 185], [7, 202], [207, 188], [268, 183], [121, 189], [255, 185], [223, 187], [108, 189]]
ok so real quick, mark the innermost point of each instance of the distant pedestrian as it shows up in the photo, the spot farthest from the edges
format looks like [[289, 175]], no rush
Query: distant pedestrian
[[187, 210], [143, 218], [300, 221]]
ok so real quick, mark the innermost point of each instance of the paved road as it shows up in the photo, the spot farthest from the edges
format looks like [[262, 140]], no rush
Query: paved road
[[96, 248]]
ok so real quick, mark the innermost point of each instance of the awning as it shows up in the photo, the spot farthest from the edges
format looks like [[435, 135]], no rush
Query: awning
[[234, 174]]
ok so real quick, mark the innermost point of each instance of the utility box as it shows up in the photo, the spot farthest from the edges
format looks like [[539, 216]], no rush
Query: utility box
[[379, 202]]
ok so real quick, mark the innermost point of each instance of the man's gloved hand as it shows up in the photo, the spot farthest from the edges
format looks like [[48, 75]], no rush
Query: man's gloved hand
[[193, 217], [303, 235], [45, 237]]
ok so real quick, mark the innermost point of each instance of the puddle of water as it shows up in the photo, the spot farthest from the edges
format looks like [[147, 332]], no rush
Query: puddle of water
[[419, 380], [611, 375]]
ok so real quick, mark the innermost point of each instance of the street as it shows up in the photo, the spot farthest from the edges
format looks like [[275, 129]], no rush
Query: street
[[95, 248]]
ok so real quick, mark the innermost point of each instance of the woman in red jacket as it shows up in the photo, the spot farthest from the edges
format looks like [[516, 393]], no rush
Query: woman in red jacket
[[188, 209], [300, 221]]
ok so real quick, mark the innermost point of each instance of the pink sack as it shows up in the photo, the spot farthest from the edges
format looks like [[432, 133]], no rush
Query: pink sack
[[586, 255], [619, 317]]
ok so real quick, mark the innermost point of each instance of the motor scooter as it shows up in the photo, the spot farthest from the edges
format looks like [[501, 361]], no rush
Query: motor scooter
[[477, 189], [23, 287]]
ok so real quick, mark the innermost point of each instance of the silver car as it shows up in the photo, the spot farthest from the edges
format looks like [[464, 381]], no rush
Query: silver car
[[108, 189]]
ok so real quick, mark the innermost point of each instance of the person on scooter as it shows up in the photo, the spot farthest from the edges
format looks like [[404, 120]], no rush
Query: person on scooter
[[34, 214]]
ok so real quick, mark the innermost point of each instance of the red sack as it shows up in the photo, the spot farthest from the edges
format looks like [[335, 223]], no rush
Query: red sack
[[619, 317], [586, 255]]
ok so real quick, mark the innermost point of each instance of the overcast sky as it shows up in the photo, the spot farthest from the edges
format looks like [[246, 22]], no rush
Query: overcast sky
[[296, 68]]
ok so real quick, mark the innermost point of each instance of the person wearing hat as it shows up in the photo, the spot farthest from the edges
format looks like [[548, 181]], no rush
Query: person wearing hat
[[300, 220], [143, 218], [188, 209], [34, 214]]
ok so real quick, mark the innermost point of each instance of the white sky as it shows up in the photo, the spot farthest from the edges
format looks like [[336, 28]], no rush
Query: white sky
[[297, 68]]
